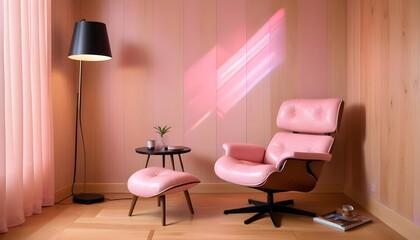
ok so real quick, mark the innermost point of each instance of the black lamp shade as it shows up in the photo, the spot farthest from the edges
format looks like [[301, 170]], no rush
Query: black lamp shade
[[90, 42]]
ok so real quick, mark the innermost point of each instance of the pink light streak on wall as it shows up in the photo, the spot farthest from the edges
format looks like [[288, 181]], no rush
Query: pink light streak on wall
[[255, 57], [259, 55], [198, 86]]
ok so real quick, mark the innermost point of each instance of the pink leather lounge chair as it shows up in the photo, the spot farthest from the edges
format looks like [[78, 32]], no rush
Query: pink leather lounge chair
[[292, 161]]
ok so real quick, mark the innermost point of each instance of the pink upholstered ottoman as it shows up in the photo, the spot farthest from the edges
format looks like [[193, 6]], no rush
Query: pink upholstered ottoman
[[157, 182]]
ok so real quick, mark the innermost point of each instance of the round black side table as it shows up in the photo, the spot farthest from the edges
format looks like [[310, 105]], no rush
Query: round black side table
[[178, 150]]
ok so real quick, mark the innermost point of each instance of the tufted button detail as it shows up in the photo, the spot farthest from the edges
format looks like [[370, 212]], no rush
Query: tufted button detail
[[318, 114], [291, 112], [309, 115]]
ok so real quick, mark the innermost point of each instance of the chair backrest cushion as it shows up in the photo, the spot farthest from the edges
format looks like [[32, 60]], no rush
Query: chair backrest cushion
[[317, 116], [285, 143]]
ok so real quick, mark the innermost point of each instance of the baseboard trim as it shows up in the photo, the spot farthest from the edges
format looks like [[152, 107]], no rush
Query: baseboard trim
[[200, 188], [395, 221], [62, 194], [328, 188]]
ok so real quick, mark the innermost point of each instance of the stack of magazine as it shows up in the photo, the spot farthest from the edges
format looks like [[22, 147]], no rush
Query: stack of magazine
[[338, 221]]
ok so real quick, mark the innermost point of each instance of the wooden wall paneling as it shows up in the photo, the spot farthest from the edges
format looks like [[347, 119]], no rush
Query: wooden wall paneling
[[336, 84], [413, 10], [398, 174], [391, 107], [354, 126], [103, 160], [95, 125], [349, 96], [337, 48], [388, 106], [151, 92], [292, 50], [168, 68], [137, 86], [415, 18], [391, 135], [64, 79], [313, 51], [278, 60], [231, 72], [200, 87], [383, 50], [410, 42], [88, 109], [258, 67], [369, 83], [115, 164], [76, 6]]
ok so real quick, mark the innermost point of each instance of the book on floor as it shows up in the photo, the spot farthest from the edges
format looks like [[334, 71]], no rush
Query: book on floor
[[338, 221]]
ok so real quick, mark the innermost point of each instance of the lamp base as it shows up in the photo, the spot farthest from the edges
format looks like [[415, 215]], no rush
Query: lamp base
[[88, 198]]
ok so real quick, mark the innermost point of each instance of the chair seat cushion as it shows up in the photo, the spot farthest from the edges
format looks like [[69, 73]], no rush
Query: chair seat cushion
[[243, 172], [154, 181]]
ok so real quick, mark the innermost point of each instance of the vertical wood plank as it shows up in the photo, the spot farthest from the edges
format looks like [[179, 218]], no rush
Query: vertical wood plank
[[369, 78], [258, 68], [335, 83], [415, 18], [200, 86], [102, 83], [99, 89], [278, 49], [137, 85], [115, 164], [231, 72], [168, 66], [391, 45], [64, 75], [87, 156], [291, 61], [313, 53], [412, 9], [356, 113], [406, 91]]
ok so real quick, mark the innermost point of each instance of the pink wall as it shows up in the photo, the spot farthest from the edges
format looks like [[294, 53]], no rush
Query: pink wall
[[313, 44], [215, 71]]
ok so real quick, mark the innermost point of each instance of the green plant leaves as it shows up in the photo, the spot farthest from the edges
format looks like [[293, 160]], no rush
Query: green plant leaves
[[162, 130]]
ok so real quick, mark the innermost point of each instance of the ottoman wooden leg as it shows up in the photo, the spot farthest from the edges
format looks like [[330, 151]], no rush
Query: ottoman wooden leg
[[133, 204], [163, 206], [187, 197]]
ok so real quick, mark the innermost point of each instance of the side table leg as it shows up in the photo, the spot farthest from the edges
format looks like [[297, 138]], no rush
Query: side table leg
[[180, 161], [163, 161], [147, 162], [173, 163]]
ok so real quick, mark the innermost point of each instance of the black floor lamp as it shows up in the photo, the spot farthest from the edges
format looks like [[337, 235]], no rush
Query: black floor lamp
[[89, 43]]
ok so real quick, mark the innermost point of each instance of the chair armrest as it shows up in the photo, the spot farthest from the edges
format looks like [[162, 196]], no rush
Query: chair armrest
[[304, 156], [248, 152], [312, 156]]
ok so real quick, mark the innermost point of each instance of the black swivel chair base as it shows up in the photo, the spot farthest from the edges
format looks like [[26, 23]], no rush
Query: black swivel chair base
[[269, 207]]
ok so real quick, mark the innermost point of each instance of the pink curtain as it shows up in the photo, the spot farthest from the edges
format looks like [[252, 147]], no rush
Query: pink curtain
[[26, 142]]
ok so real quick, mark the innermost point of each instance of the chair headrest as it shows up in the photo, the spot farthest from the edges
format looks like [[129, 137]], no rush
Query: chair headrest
[[309, 115]]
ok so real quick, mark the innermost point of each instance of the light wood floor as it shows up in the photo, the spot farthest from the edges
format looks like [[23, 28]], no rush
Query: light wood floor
[[109, 220]]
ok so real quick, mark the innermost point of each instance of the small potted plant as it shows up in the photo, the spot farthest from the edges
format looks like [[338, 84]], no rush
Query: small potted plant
[[162, 131]]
